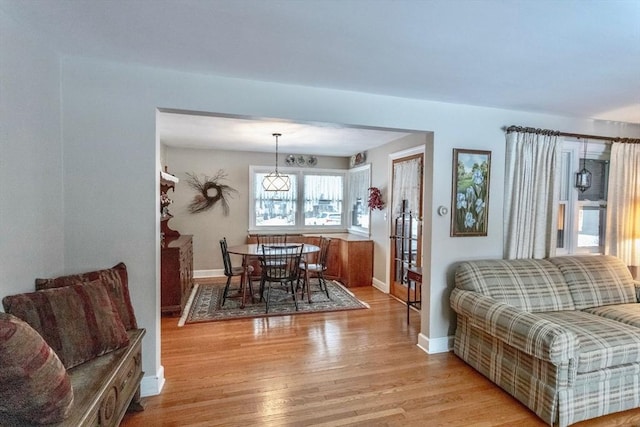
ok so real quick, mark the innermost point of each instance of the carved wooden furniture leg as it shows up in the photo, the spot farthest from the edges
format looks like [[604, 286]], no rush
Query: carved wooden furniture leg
[[136, 404]]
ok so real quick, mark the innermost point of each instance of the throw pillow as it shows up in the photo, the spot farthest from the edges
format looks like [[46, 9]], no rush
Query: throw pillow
[[116, 281], [79, 322], [34, 385]]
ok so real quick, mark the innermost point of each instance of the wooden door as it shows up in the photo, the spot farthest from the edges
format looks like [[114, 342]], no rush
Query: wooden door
[[406, 220]]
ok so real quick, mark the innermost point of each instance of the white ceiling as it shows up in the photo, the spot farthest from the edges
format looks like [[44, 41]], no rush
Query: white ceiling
[[577, 58], [178, 129]]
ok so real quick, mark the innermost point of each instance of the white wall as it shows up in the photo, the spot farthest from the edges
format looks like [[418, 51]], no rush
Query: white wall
[[111, 164], [31, 206]]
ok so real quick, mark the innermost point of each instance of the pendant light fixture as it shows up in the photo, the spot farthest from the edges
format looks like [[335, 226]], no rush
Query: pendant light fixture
[[583, 178], [276, 181]]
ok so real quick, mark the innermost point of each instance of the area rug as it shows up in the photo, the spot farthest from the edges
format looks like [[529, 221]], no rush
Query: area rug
[[205, 303]]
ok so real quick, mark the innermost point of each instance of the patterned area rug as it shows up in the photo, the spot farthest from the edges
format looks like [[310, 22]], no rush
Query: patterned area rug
[[204, 303]]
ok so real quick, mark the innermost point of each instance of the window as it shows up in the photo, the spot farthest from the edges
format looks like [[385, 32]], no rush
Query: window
[[323, 199], [582, 215], [314, 202], [275, 208], [358, 210], [592, 208]]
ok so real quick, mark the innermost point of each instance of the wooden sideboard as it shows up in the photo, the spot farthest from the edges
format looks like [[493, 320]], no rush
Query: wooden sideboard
[[176, 275], [350, 257], [356, 262]]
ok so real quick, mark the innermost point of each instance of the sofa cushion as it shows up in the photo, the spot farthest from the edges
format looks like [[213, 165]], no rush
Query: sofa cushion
[[116, 281], [624, 313], [79, 322], [529, 284], [596, 280], [34, 385], [604, 343]]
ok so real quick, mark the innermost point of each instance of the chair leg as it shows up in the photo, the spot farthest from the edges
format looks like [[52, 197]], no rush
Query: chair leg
[[261, 288], [298, 285], [242, 290], [268, 294], [323, 284], [307, 283], [250, 289], [295, 299], [226, 289]]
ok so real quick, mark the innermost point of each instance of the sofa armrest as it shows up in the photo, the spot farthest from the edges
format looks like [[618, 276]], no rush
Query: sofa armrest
[[520, 329]]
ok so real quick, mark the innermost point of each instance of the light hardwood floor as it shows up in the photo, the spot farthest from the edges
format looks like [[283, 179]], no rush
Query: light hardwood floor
[[358, 367]]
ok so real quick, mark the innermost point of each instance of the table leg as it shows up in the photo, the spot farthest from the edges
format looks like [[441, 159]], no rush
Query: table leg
[[244, 281], [307, 284]]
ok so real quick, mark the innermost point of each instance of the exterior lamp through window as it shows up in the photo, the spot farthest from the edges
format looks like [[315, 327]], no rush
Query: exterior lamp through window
[[583, 178], [275, 181]]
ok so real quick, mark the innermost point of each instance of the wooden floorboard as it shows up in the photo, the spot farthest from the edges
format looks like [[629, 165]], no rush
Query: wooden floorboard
[[355, 368]]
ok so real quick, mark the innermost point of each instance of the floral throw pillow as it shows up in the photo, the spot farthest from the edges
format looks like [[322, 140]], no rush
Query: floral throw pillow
[[79, 322], [115, 279], [34, 385]]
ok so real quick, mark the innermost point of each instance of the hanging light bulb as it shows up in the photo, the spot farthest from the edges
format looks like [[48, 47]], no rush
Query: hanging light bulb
[[583, 178], [276, 181]]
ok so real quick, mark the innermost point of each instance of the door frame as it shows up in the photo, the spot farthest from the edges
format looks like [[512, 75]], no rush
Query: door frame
[[420, 149]]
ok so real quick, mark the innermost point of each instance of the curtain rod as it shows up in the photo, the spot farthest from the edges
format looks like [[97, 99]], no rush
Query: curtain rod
[[572, 135]]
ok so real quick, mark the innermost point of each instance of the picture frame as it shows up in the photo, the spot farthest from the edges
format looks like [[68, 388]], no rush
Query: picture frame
[[471, 172]]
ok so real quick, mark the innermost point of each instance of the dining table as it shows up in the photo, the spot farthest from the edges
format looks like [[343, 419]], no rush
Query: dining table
[[250, 251]]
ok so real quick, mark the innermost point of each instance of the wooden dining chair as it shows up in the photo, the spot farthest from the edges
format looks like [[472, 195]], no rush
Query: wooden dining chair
[[286, 271], [271, 239], [316, 270], [230, 271]]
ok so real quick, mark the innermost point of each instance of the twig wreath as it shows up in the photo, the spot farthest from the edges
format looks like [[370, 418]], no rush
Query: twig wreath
[[210, 191]]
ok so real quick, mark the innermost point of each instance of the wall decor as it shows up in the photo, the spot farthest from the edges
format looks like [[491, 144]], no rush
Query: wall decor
[[357, 159], [300, 160], [375, 199], [209, 192], [165, 201], [470, 192]]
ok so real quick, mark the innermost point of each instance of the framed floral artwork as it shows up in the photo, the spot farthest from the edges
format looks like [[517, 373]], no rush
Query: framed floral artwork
[[470, 192]]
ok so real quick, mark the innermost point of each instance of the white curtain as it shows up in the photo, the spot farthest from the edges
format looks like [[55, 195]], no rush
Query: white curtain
[[531, 194], [323, 187], [623, 204], [406, 184], [359, 183]]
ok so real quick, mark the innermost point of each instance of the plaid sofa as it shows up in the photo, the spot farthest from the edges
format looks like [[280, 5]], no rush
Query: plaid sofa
[[561, 335]]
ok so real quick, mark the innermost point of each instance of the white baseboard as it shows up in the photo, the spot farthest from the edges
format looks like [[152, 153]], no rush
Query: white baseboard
[[435, 345], [151, 385], [200, 274], [381, 286]]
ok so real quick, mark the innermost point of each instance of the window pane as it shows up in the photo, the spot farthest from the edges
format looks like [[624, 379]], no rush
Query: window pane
[[599, 175], [275, 208], [360, 214], [590, 226], [359, 183], [323, 200]]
